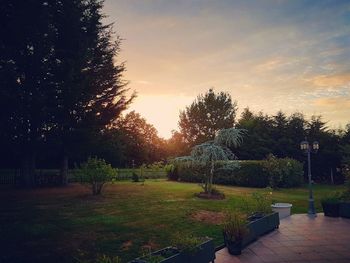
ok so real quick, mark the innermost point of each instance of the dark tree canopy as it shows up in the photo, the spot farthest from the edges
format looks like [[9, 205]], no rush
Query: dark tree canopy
[[208, 114], [141, 140], [58, 75]]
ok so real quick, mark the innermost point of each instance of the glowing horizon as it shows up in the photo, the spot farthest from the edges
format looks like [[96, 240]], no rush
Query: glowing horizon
[[277, 55]]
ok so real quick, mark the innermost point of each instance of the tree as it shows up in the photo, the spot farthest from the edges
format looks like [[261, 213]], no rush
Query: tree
[[259, 142], [90, 91], [176, 145], [209, 152], [25, 79], [60, 81], [141, 140], [208, 114]]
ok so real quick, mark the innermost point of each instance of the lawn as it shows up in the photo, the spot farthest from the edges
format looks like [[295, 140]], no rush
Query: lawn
[[68, 224]]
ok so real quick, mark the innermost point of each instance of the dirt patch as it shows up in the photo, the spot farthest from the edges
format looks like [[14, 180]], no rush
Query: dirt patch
[[210, 196], [209, 217], [150, 246], [126, 245]]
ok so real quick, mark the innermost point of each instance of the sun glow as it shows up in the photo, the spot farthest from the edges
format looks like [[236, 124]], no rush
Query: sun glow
[[162, 111]]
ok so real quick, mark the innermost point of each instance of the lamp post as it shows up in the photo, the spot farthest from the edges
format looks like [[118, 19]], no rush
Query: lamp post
[[308, 149]]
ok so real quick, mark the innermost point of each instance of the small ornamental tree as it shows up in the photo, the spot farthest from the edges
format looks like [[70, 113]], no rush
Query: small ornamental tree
[[96, 173], [209, 152]]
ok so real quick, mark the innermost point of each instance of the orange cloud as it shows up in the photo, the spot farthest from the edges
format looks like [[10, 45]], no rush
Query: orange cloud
[[332, 80], [337, 103]]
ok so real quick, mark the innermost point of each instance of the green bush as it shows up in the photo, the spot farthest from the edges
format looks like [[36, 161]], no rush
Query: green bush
[[284, 172], [190, 172], [135, 177], [262, 173], [95, 172], [171, 172]]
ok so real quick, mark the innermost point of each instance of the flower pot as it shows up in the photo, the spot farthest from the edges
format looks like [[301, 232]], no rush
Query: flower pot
[[233, 247], [344, 209], [331, 209], [204, 253], [283, 209]]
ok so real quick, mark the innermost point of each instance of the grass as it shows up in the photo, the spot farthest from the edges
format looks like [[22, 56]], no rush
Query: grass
[[68, 224]]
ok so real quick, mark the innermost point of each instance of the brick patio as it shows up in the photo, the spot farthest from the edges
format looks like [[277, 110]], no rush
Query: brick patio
[[298, 239]]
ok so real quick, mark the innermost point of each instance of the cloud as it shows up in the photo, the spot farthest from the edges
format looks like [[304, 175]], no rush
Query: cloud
[[334, 103], [332, 80], [269, 55]]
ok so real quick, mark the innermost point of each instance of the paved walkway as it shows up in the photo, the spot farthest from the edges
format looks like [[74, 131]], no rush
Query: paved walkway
[[299, 239]]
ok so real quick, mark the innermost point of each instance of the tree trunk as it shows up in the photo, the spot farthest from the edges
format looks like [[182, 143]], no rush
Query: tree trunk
[[64, 170], [211, 177], [27, 171]]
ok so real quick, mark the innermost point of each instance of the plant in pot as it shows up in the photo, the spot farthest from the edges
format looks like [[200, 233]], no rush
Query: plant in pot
[[344, 206], [261, 205], [194, 249], [330, 204], [234, 230]]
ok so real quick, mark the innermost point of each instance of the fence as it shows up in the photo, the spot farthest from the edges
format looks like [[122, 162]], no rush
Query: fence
[[51, 176], [146, 173]]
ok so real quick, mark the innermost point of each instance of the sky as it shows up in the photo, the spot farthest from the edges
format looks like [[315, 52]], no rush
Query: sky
[[269, 55]]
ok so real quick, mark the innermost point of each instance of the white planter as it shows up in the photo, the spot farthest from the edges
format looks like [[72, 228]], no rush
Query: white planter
[[283, 209]]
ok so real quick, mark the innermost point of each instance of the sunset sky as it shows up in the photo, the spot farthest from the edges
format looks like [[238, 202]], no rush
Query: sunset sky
[[269, 55]]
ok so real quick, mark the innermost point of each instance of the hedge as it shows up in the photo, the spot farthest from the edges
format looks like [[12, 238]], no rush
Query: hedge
[[255, 173]]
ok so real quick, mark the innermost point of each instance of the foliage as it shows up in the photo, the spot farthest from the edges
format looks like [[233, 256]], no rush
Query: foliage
[[284, 172], [171, 172], [235, 227], [333, 197], [208, 114], [140, 139], [249, 173], [206, 154], [61, 82], [186, 242], [135, 177], [262, 202], [102, 259], [95, 172], [242, 173], [148, 257]]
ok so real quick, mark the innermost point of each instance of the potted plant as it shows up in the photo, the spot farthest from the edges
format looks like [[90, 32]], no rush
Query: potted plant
[[185, 249], [330, 204], [262, 219], [234, 231], [344, 206], [193, 249]]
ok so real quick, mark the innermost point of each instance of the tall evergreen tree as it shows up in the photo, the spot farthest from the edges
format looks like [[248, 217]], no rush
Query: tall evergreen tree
[[60, 82], [90, 92], [25, 78]]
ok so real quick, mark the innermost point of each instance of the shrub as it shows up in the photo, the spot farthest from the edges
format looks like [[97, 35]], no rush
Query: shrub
[[272, 172], [171, 172], [95, 172], [261, 203], [284, 172], [135, 177], [190, 171]]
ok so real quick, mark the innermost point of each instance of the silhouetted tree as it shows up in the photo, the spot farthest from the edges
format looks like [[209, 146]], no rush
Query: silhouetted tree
[[60, 81], [26, 78], [141, 140], [208, 114], [90, 90]]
